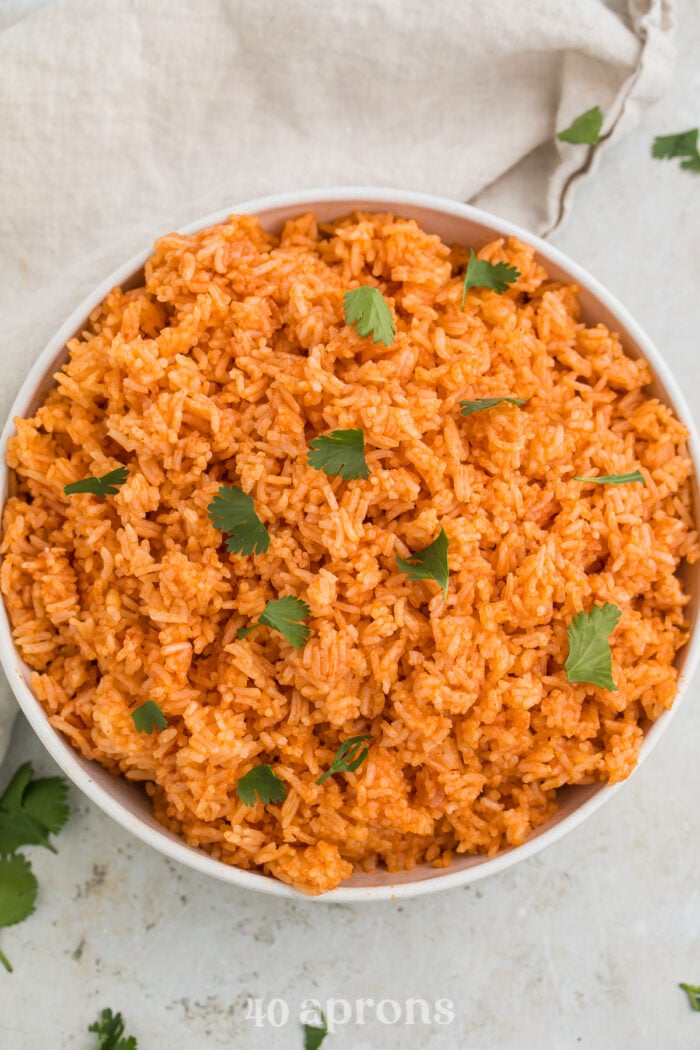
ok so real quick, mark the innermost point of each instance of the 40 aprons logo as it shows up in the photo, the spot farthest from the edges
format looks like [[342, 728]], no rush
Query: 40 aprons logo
[[339, 1012]]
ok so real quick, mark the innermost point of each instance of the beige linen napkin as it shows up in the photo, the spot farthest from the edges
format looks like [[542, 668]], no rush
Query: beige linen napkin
[[127, 118]]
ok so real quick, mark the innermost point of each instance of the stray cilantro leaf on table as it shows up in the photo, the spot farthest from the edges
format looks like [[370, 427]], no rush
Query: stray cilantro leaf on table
[[109, 1030], [693, 992], [684, 144], [232, 511], [284, 615], [691, 163], [148, 717], [681, 144], [487, 402], [590, 658], [18, 889], [614, 479], [30, 810], [349, 756], [585, 130], [430, 563], [341, 453], [107, 485], [263, 781], [315, 1034], [367, 309], [481, 274]]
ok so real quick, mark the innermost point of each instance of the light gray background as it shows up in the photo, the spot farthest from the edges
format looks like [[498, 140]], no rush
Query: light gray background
[[581, 947]]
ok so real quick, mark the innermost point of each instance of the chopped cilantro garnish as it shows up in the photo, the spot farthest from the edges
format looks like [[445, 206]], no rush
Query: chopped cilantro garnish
[[693, 992], [110, 1030], [263, 781], [585, 130], [107, 485], [368, 310], [683, 144], [613, 479], [430, 563], [349, 756], [148, 717], [18, 889], [284, 615], [590, 658], [341, 452], [30, 810], [488, 402], [315, 1034], [482, 274], [232, 511]]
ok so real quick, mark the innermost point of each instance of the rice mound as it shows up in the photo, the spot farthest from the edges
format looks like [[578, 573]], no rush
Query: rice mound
[[221, 369]]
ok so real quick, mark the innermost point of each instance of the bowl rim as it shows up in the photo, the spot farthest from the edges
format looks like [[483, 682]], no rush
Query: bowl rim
[[61, 750]]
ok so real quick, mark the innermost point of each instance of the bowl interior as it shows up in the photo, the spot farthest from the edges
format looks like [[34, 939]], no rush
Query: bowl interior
[[127, 803]]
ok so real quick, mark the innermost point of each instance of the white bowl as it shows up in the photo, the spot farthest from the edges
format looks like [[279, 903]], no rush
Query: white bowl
[[127, 804]]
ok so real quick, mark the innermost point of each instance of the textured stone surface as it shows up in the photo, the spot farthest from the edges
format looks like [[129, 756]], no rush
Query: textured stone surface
[[581, 947]]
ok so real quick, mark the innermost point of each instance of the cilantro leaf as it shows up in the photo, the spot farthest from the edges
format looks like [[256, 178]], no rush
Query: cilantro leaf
[[585, 130], [45, 800], [682, 144], [368, 310], [692, 163], [693, 991], [109, 1030], [284, 615], [148, 717], [614, 479], [30, 810], [349, 756], [315, 1034], [107, 485], [264, 781], [18, 889], [590, 659], [341, 452], [482, 274], [233, 512], [430, 563], [488, 402]]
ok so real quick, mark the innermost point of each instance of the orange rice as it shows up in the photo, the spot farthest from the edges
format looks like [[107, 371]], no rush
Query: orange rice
[[221, 370]]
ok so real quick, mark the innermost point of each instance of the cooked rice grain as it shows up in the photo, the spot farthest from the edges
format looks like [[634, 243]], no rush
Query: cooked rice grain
[[220, 370]]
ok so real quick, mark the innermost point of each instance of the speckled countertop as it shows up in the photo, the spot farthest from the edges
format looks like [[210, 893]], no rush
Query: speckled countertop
[[581, 947]]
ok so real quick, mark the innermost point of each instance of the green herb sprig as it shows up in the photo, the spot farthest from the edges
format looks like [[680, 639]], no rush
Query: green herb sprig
[[481, 274], [261, 781], [107, 485], [488, 402], [314, 1034], [341, 453], [430, 563], [110, 1031], [30, 811], [284, 615], [614, 479], [148, 717], [684, 145], [693, 993], [232, 511], [367, 309], [585, 130], [349, 757], [590, 658], [18, 890]]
